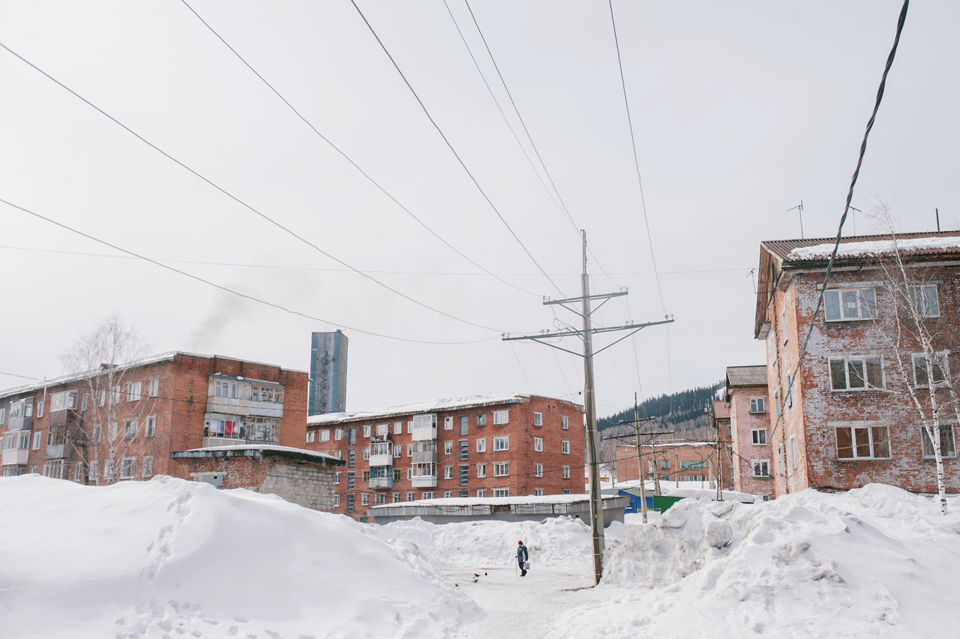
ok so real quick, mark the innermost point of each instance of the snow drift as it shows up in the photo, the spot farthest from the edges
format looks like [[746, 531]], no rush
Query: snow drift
[[169, 558], [874, 561]]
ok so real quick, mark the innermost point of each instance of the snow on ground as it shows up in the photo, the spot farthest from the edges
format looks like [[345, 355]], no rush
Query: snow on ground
[[169, 558]]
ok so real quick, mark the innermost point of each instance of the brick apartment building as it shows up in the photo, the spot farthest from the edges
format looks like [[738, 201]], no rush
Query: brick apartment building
[[477, 446], [680, 461], [847, 419], [750, 429], [156, 406]]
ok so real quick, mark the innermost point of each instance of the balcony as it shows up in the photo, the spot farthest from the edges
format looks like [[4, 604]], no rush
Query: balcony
[[383, 482], [16, 457], [213, 442], [57, 451], [381, 460], [21, 423], [424, 433], [229, 405], [425, 481], [266, 409], [424, 457]]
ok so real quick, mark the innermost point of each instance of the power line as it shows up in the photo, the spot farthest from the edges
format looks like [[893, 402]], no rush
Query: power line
[[450, 146], [224, 288], [234, 197], [636, 160], [342, 153]]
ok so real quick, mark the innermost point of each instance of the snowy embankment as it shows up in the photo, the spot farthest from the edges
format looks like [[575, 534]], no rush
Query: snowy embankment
[[169, 558], [872, 562], [552, 543]]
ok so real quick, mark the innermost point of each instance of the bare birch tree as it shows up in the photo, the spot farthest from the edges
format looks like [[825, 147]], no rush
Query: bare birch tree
[[110, 395], [919, 349]]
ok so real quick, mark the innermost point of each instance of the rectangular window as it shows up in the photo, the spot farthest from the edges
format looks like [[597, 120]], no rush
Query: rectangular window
[[324, 435], [396, 498], [757, 405], [351, 458], [481, 471], [482, 445], [776, 400], [366, 430], [501, 492], [409, 474], [448, 448], [447, 494], [923, 369], [925, 300], [409, 450], [501, 417], [127, 466], [396, 474], [427, 495], [336, 478], [154, 388], [338, 434], [501, 443], [350, 502], [948, 446], [789, 391], [665, 464], [94, 469], [397, 451], [352, 434], [538, 492], [538, 470], [84, 403], [448, 423], [565, 447], [114, 395], [40, 409], [108, 469], [410, 496], [129, 429], [410, 427], [448, 472], [692, 465], [481, 493], [565, 472], [759, 436], [65, 400], [464, 449], [464, 475], [397, 428], [565, 422], [538, 419], [481, 419], [382, 429], [351, 480], [538, 444], [336, 501], [151, 427], [50, 438], [864, 441], [37, 439], [78, 469], [793, 452], [761, 467], [849, 304], [366, 476], [856, 373], [464, 425], [364, 499], [366, 453], [501, 469], [133, 392]]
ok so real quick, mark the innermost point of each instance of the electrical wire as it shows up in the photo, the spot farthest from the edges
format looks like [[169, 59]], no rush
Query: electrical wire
[[452, 150], [843, 218], [235, 198], [529, 385], [229, 290], [636, 160], [343, 153]]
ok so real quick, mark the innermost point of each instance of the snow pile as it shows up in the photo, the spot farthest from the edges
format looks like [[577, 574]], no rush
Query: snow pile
[[169, 558], [874, 561], [556, 542], [876, 247]]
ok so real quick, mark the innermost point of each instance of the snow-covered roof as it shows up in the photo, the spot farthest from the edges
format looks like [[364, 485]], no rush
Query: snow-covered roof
[[144, 361], [273, 447], [429, 406], [874, 247]]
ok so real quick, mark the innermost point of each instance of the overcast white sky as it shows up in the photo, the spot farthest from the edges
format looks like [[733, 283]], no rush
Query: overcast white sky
[[740, 111]]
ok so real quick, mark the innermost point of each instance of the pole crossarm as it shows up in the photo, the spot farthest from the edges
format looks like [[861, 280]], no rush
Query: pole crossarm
[[578, 332], [547, 301]]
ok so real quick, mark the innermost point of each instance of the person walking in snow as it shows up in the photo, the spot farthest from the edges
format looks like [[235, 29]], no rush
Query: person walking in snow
[[522, 558]]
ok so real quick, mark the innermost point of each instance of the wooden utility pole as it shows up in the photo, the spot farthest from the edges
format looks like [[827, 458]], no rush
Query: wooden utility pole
[[589, 391]]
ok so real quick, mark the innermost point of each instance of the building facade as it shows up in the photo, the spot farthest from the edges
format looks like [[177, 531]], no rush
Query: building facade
[[750, 429], [478, 446], [842, 414], [328, 373], [674, 462], [123, 423]]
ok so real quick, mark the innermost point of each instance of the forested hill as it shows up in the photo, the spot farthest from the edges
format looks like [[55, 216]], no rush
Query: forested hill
[[682, 413]]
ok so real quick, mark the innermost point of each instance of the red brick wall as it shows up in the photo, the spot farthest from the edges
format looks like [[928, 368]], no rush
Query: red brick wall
[[522, 458], [743, 423], [674, 455]]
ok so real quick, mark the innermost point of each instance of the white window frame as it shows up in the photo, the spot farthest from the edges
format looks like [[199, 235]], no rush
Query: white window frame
[[366, 452], [336, 501], [565, 447], [338, 434], [481, 493], [397, 428], [920, 297], [538, 419], [40, 409], [501, 443], [564, 422], [926, 445], [397, 451], [538, 470], [538, 444], [448, 423], [130, 428], [364, 499], [758, 436], [409, 450], [538, 492], [147, 470], [448, 447], [336, 479], [427, 494], [154, 387], [382, 430], [410, 495], [78, 471], [482, 445], [501, 417], [864, 361], [324, 435], [448, 472], [481, 471], [758, 405], [862, 297], [37, 440], [366, 430], [133, 391], [565, 472], [943, 358], [447, 494], [501, 492], [311, 435], [760, 467], [869, 427]]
